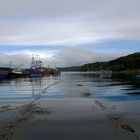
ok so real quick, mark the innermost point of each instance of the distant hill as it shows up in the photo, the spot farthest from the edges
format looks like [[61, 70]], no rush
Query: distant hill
[[129, 62]]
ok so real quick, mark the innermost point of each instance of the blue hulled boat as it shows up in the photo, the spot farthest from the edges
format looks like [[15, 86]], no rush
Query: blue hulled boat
[[35, 70]]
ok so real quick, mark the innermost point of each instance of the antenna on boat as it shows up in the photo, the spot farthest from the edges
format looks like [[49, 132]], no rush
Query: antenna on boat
[[36, 61], [11, 64], [33, 61]]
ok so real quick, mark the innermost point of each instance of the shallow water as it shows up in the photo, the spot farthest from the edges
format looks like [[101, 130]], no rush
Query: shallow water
[[67, 85]]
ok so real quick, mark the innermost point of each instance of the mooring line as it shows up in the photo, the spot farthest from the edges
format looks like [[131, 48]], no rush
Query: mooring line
[[36, 97], [44, 90]]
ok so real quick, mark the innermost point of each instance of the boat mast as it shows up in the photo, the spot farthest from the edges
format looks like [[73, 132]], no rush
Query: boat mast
[[36, 61], [33, 64]]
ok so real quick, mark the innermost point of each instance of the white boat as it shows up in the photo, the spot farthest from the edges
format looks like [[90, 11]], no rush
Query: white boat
[[16, 72]]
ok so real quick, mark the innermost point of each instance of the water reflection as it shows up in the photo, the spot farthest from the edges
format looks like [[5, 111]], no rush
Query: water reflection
[[68, 85], [36, 85], [133, 90]]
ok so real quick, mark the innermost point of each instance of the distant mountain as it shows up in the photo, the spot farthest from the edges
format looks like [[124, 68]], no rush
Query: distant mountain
[[129, 62], [71, 68]]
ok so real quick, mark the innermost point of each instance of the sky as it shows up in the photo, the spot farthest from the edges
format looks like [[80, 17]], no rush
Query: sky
[[68, 32]]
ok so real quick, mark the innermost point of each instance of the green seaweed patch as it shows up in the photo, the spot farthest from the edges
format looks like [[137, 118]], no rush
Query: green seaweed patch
[[9, 132], [33, 109], [5, 108]]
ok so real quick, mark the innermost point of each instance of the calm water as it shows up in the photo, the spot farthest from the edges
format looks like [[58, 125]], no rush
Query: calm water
[[68, 85]]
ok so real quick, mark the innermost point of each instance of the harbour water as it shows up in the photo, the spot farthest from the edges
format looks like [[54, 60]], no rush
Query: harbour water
[[72, 106], [68, 85]]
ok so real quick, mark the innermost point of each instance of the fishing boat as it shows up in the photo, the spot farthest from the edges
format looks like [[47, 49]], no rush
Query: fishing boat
[[35, 70], [53, 72], [15, 73]]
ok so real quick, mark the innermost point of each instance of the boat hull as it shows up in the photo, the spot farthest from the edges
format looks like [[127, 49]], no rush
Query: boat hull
[[3, 76], [35, 73], [14, 75]]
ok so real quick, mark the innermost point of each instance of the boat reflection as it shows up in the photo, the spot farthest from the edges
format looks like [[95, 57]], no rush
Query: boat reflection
[[36, 85]]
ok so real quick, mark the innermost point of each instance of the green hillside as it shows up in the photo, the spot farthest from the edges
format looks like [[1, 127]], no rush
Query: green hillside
[[130, 62]]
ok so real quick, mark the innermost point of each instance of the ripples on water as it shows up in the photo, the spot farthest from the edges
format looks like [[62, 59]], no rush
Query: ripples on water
[[68, 85]]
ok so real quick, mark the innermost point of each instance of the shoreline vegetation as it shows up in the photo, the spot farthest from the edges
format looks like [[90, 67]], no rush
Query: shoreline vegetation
[[125, 67], [126, 63]]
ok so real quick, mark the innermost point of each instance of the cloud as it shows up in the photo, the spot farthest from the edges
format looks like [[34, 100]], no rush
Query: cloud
[[79, 56], [59, 8], [69, 23], [23, 58], [18, 60], [59, 30], [67, 57]]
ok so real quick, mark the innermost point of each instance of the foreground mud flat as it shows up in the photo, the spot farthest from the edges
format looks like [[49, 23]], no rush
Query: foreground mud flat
[[70, 119], [15, 118]]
